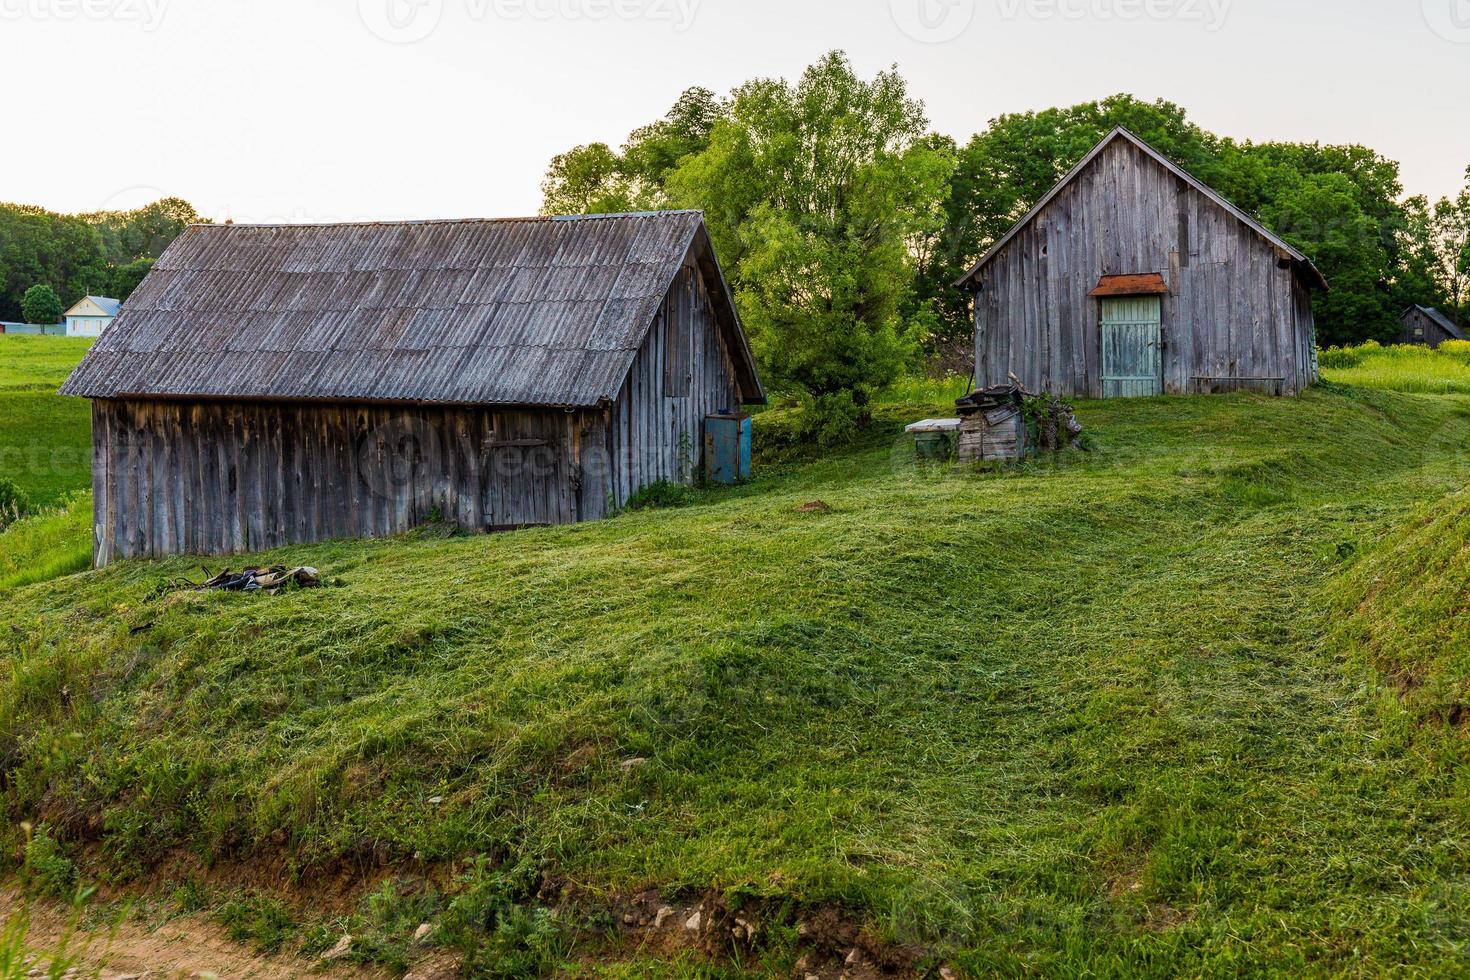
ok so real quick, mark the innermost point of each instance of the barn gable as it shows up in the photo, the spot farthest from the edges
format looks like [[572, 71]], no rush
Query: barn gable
[[1299, 261], [546, 312], [1132, 278]]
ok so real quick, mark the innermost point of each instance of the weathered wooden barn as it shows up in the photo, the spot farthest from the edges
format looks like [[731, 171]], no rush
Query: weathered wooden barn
[[1132, 278], [1427, 326], [271, 385]]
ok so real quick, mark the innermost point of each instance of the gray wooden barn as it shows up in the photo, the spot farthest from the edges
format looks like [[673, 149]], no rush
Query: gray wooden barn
[[1132, 278], [1427, 326], [269, 385]]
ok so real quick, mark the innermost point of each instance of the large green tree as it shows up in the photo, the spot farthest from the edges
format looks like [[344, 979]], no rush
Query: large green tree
[[816, 194], [1436, 244], [41, 305]]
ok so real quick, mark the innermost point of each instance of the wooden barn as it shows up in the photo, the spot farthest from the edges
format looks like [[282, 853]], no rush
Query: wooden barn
[[1132, 278], [1428, 327], [271, 385]]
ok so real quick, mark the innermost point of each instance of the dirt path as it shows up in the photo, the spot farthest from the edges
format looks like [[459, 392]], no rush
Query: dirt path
[[182, 947]]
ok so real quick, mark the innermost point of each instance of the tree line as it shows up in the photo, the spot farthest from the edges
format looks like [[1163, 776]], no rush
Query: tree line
[[59, 258], [844, 220]]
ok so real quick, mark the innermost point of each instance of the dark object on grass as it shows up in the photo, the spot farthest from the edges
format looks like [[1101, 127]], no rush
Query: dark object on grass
[[269, 580]]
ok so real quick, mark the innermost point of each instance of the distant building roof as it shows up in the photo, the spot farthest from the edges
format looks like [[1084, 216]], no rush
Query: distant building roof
[[527, 311], [109, 307], [1443, 320]]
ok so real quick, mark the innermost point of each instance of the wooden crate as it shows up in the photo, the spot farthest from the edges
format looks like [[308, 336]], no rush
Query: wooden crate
[[994, 434]]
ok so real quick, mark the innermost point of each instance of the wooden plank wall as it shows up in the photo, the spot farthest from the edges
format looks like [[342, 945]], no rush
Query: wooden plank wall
[[213, 478], [656, 429], [1433, 336], [1232, 312]]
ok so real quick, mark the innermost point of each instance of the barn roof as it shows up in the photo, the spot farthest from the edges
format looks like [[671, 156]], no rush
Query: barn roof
[[1299, 261], [528, 311], [1445, 322]]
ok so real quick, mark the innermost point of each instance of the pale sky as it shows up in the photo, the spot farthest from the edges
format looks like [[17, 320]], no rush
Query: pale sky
[[321, 110]]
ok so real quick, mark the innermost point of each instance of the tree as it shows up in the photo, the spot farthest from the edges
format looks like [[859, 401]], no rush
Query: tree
[[41, 305], [815, 194], [125, 278], [595, 179]]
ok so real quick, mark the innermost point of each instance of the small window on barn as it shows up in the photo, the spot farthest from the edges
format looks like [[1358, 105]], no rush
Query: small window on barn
[[679, 316], [1418, 333]]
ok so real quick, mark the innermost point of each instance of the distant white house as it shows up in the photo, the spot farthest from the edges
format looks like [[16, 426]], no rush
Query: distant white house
[[91, 316]]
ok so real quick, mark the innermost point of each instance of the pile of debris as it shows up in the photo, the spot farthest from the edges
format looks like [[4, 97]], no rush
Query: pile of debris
[[993, 424], [1007, 422], [268, 580]]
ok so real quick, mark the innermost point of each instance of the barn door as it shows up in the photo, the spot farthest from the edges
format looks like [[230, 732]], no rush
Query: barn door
[[1132, 346]]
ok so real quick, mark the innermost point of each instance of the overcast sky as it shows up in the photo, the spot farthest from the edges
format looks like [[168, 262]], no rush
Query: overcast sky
[[316, 110]]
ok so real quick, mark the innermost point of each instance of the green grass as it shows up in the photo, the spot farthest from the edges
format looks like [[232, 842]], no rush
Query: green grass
[[1402, 368], [45, 440], [55, 542], [38, 363], [1120, 713]]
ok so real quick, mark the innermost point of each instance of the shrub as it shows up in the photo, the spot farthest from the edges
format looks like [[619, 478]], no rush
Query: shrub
[[263, 922], [47, 869]]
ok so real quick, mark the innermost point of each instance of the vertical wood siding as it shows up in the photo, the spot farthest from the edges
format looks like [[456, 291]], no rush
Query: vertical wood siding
[[1233, 314], [213, 478], [682, 373]]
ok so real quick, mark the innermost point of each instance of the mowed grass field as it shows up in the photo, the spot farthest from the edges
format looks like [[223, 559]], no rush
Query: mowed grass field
[[46, 451], [1193, 703], [45, 440]]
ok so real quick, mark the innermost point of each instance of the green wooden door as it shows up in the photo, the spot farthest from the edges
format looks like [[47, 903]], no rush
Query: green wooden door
[[1132, 346]]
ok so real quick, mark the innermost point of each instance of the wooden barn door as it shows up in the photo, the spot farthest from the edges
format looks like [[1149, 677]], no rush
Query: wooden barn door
[[1132, 346]]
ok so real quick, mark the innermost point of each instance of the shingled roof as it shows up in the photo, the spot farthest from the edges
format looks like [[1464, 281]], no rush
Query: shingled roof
[[529, 311]]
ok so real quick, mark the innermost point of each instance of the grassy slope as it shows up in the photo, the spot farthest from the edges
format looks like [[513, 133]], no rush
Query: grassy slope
[[1078, 716]]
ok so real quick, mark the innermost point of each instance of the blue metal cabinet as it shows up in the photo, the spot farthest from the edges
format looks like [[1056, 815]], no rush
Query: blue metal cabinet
[[727, 441]]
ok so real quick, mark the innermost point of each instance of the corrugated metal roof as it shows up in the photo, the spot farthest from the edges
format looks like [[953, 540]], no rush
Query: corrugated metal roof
[[524, 311], [1144, 284]]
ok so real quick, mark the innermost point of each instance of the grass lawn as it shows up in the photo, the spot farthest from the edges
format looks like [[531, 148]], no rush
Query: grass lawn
[[1147, 711], [45, 440]]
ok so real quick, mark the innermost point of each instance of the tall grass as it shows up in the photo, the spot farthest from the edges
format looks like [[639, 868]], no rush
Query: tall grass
[[1407, 368]]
